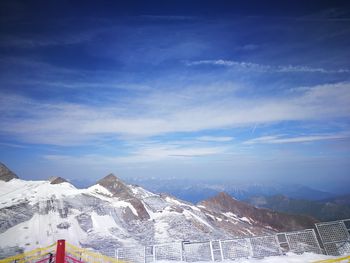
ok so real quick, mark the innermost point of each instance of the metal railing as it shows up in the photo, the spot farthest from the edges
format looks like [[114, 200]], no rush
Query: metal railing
[[331, 238]]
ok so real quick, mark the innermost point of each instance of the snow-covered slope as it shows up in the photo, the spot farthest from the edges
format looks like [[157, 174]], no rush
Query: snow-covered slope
[[107, 215]]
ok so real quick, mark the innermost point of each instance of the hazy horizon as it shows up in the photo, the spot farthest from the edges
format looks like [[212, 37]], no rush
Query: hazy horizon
[[248, 91]]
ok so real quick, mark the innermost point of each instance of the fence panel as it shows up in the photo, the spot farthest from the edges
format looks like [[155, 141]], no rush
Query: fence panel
[[265, 246], [149, 254], [216, 250], [335, 237], [303, 241], [131, 254], [236, 248], [199, 251], [283, 241], [171, 251]]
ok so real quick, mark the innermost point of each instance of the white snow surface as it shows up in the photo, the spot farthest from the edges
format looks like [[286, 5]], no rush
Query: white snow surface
[[17, 191]]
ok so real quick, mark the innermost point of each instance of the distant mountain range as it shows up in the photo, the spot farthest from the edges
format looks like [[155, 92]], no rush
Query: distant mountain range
[[196, 191], [111, 214], [324, 210]]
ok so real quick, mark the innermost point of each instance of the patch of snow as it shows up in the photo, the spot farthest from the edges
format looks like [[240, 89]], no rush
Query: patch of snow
[[161, 231], [230, 215], [102, 223], [26, 234], [99, 189], [190, 215], [17, 191], [177, 202], [245, 219], [174, 201], [125, 204], [140, 192]]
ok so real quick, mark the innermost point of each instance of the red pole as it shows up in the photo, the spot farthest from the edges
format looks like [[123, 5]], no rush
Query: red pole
[[60, 251]]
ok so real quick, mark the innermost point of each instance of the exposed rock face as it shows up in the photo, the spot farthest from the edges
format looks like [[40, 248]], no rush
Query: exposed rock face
[[6, 174], [123, 192], [57, 180], [115, 186], [224, 203]]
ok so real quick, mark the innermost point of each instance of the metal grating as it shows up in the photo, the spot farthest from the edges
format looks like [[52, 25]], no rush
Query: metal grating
[[284, 245], [265, 246], [149, 254], [216, 250], [199, 251], [303, 241], [131, 254], [335, 237], [236, 248], [171, 251]]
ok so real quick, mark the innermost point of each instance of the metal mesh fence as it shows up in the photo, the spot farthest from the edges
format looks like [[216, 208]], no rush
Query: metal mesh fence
[[149, 254], [236, 248], [131, 254], [199, 251], [265, 246], [216, 250], [335, 237], [171, 251], [303, 241]]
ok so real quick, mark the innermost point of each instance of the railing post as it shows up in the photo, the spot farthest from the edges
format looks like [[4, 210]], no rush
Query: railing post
[[60, 251], [221, 251], [182, 251], [211, 250], [154, 254]]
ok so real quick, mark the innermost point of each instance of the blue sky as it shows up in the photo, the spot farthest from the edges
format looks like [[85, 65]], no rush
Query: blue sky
[[256, 91]]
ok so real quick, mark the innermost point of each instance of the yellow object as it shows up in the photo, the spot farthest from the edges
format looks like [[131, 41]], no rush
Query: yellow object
[[80, 254], [30, 255], [347, 258], [88, 256]]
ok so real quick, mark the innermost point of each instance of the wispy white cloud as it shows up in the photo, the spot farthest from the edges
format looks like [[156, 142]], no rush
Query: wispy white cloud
[[249, 66], [149, 152], [215, 138], [163, 112], [280, 139]]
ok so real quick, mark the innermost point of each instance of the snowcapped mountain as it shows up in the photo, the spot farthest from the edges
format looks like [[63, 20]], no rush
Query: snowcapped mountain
[[109, 214]]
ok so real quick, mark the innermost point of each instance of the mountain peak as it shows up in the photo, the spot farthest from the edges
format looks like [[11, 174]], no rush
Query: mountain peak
[[57, 180], [109, 179], [224, 195], [113, 184], [6, 174]]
